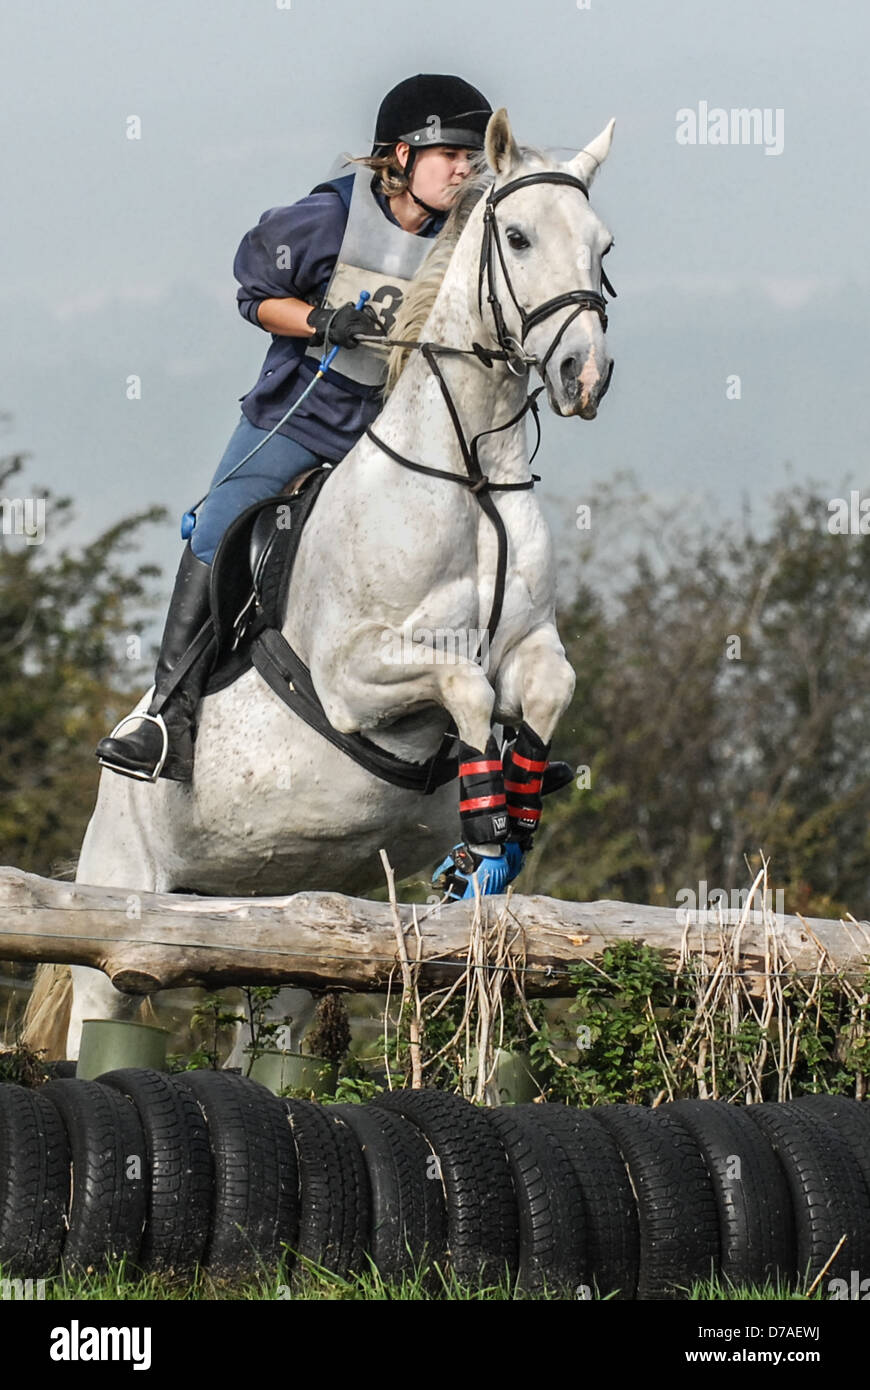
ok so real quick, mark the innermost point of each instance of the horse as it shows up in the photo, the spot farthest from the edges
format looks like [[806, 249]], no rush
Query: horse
[[389, 556]]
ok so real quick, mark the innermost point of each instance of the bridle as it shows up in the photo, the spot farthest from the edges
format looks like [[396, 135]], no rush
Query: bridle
[[517, 360], [529, 319]]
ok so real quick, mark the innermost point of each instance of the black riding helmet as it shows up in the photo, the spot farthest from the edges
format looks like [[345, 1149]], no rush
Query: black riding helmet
[[432, 109]]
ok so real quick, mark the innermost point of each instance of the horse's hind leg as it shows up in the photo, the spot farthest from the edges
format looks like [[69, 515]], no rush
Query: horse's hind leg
[[115, 854]]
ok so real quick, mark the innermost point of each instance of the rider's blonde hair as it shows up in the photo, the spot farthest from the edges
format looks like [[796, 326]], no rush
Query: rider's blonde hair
[[392, 179]]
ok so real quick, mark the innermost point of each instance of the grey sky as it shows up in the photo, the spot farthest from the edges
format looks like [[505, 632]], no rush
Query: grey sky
[[117, 255]]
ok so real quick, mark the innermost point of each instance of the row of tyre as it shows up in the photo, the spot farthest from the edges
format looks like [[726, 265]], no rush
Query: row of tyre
[[209, 1168]]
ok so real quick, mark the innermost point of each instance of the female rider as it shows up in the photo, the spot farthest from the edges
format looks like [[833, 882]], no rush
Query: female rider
[[300, 269]]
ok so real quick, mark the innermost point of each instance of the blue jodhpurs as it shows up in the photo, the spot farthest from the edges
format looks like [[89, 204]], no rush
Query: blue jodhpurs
[[266, 473]]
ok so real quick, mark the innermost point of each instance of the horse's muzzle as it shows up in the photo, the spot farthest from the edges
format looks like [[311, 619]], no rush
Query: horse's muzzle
[[583, 387]]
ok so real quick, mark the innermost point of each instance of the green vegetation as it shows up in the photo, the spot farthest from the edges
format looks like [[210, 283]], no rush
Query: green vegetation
[[636, 1031], [69, 619], [215, 1022], [425, 1284], [702, 749], [644, 1033]]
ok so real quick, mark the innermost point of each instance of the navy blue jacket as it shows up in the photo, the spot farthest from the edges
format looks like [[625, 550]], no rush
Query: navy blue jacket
[[336, 413]]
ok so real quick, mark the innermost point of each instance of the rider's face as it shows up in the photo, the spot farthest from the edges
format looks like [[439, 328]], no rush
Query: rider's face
[[438, 172]]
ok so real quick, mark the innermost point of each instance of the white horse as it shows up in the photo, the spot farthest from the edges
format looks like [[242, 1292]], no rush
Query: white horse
[[387, 555]]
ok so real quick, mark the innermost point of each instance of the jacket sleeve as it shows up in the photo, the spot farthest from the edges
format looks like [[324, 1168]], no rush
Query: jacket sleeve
[[290, 253]]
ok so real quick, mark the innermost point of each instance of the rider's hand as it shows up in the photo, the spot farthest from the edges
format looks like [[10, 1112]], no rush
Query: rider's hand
[[342, 325]]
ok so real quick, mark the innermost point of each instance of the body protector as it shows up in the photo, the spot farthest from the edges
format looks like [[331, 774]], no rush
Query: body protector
[[378, 256]]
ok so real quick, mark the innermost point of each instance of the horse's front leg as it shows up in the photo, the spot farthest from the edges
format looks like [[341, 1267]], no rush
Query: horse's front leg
[[426, 675], [535, 680]]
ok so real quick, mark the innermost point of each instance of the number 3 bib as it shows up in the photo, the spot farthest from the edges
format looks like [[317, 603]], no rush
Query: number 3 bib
[[378, 256]]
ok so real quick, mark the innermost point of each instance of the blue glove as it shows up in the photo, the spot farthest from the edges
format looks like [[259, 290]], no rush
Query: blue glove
[[463, 867]]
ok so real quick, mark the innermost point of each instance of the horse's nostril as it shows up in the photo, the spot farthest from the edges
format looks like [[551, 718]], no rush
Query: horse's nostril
[[569, 372]]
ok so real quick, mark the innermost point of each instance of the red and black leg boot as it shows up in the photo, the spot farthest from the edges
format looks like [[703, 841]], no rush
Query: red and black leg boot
[[482, 805], [525, 762]]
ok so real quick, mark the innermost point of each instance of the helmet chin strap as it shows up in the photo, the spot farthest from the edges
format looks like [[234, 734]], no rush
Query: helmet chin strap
[[433, 212], [409, 164]]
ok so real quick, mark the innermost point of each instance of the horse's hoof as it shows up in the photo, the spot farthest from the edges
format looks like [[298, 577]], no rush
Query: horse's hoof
[[556, 776]]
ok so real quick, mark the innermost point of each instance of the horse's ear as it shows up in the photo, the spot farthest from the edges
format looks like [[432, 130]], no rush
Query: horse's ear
[[502, 151], [586, 164]]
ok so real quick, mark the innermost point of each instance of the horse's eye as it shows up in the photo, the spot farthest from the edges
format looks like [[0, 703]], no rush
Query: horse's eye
[[517, 241]]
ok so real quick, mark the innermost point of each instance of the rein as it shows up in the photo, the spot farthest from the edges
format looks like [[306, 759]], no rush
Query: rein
[[517, 360]]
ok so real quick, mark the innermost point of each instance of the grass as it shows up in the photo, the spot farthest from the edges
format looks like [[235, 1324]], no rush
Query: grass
[[779, 1291], [428, 1284]]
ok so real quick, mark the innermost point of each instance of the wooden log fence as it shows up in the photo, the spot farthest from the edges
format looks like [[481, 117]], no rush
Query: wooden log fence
[[147, 942]]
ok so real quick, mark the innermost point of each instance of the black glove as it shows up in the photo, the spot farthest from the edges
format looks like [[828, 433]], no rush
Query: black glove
[[342, 325]]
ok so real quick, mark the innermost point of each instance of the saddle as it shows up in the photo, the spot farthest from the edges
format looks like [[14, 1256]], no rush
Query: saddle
[[251, 573]]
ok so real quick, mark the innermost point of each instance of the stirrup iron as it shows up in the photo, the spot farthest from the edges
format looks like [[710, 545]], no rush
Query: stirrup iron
[[130, 772]]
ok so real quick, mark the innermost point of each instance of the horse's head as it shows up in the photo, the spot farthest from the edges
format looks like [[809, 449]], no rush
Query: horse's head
[[541, 266]]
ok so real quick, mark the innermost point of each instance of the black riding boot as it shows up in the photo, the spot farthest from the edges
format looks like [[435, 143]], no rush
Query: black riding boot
[[138, 753]]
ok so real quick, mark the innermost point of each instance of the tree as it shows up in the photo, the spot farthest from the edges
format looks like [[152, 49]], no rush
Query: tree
[[704, 750], [65, 615]]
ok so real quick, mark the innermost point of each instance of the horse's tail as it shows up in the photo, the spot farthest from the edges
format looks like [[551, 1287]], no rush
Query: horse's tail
[[46, 1017], [47, 1014], [147, 1012]]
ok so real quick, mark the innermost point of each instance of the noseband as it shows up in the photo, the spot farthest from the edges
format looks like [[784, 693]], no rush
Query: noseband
[[517, 360]]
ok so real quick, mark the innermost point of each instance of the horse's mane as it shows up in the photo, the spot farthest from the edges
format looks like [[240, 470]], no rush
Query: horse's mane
[[426, 283]]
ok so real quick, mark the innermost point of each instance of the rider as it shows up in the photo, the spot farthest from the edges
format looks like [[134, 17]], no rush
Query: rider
[[300, 271]]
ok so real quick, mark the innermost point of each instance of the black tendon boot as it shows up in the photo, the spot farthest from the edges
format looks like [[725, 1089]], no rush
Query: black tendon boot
[[525, 763], [482, 808], [183, 667]]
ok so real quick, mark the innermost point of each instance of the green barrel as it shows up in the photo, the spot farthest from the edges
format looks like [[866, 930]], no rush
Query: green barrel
[[284, 1071], [108, 1044]]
